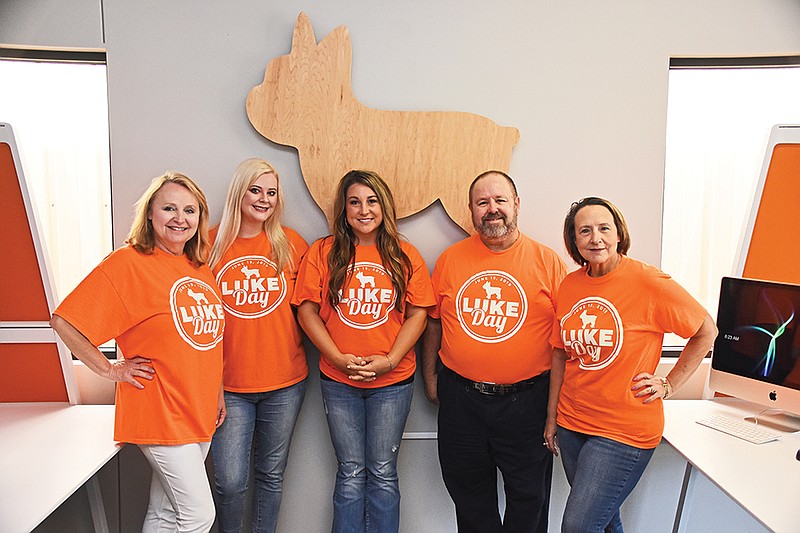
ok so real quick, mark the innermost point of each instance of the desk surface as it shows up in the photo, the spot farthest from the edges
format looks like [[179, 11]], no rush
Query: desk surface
[[764, 479], [47, 452]]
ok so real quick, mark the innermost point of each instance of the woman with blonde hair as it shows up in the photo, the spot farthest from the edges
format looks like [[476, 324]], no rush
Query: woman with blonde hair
[[158, 299], [255, 261], [363, 295]]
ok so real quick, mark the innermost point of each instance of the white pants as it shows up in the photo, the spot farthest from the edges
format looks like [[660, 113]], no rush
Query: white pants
[[180, 496]]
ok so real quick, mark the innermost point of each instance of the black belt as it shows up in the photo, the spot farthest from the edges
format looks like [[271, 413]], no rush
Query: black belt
[[497, 389]]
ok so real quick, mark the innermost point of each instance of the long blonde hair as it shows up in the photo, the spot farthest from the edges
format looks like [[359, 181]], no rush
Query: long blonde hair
[[142, 237], [245, 175], [343, 251]]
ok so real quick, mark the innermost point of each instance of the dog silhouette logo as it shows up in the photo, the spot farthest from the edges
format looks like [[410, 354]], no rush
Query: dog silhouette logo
[[198, 297], [306, 100], [250, 272], [491, 291], [587, 319], [366, 281]]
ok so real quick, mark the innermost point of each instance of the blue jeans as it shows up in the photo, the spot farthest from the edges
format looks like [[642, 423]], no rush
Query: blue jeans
[[366, 427], [601, 473], [270, 417]]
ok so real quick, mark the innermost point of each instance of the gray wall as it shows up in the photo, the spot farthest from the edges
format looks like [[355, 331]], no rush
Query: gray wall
[[585, 83]]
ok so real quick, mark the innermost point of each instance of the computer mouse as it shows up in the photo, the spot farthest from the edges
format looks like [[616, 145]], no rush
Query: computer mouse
[[798, 455]]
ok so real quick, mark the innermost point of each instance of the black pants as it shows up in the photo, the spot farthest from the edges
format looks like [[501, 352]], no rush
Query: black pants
[[479, 434]]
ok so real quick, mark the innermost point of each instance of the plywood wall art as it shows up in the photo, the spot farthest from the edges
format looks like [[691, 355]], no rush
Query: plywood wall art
[[306, 100]]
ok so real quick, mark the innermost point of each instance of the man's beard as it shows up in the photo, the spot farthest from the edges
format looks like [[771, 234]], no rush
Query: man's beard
[[494, 231]]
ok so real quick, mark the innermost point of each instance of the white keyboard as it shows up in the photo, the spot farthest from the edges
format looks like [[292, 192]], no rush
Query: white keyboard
[[739, 428]]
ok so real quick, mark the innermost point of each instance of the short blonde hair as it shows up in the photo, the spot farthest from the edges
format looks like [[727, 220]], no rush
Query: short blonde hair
[[142, 237]]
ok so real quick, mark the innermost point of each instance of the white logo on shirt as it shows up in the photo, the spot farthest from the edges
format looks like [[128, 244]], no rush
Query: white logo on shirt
[[368, 298], [251, 287], [491, 306]]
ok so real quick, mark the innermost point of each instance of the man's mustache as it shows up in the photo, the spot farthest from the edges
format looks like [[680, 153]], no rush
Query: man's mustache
[[493, 216]]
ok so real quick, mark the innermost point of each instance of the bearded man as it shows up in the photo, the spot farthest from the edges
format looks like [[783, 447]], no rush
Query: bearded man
[[490, 329]]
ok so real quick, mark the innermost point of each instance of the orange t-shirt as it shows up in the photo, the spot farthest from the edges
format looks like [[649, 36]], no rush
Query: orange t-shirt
[[612, 328], [365, 322], [161, 307], [497, 308], [262, 349]]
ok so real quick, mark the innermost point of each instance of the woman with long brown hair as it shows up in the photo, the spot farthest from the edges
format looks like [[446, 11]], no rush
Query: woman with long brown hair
[[362, 295]]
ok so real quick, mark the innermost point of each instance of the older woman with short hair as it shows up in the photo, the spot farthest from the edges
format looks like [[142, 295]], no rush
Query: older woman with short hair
[[605, 412]]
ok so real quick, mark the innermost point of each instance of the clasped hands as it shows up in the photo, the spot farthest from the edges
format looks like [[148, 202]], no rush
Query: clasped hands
[[366, 368]]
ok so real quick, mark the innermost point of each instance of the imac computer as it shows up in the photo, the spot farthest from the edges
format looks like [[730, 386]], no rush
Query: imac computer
[[756, 355], [763, 251]]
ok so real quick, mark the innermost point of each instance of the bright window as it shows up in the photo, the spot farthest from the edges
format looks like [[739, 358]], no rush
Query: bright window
[[59, 112], [720, 113]]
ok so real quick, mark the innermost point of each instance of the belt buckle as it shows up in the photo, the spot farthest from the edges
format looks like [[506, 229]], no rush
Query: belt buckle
[[490, 389], [483, 387]]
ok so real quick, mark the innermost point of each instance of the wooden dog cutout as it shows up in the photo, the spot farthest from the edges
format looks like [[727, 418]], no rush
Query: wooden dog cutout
[[306, 101]]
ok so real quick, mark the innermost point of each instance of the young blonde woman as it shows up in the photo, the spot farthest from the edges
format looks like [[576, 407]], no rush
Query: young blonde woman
[[255, 261], [363, 295]]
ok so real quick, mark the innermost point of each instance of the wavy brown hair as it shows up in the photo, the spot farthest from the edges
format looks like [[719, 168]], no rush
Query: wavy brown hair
[[343, 250], [142, 237]]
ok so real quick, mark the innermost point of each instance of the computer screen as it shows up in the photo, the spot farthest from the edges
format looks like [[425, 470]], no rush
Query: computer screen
[[756, 355], [763, 254]]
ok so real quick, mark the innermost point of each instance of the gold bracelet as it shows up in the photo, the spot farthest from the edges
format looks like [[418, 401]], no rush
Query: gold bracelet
[[391, 366], [665, 383]]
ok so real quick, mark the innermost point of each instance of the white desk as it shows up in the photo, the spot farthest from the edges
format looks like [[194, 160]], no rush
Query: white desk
[[47, 452], [764, 479]]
